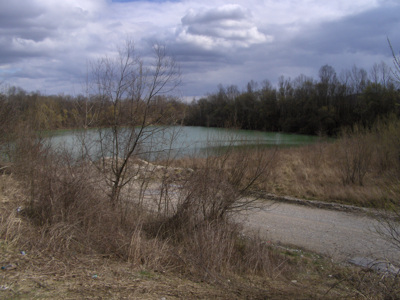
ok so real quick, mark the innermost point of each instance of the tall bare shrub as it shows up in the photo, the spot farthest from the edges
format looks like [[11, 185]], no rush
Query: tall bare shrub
[[128, 88], [386, 134], [220, 185], [354, 155]]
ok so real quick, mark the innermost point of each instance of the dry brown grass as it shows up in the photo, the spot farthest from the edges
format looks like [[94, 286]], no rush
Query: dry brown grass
[[208, 261], [360, 168], [59, 212], [315, 172], [311, 172], [45, 271], [65, 211]]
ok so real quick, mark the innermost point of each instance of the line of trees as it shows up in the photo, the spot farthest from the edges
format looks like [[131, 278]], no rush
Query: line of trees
[[49, 112], [302, 105]]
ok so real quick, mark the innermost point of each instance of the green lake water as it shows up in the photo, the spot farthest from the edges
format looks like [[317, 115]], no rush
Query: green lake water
[[178, 141]]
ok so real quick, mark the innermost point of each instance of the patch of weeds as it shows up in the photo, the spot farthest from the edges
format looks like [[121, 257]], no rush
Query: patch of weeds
[[146, 274], [292, 253]]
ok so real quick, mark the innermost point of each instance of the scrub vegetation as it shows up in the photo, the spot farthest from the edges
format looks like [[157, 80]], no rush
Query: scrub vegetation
[[109, 224], [360, 167]]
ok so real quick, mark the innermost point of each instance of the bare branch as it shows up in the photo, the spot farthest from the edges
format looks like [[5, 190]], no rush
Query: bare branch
[[396, 63], [128, 90]]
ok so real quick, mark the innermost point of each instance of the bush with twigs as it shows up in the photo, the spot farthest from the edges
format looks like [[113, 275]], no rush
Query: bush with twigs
[[66, 204]]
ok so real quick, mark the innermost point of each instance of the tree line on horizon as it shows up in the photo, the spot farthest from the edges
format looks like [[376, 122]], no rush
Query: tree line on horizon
[[301, 105], [49, 112]]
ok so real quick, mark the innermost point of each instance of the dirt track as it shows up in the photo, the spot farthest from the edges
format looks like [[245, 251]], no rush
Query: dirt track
[[339, 235], [342, 234]]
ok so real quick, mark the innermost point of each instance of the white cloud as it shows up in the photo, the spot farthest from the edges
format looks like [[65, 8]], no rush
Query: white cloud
[[225, 26], [214, 41]]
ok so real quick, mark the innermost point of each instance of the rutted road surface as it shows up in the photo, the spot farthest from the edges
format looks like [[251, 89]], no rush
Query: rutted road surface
[[339, 235]]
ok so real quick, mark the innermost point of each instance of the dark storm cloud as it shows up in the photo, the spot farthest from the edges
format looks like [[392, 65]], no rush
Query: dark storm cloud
[[43, 41], [362, 33], [16, 21], [29, 29], [18, 13]]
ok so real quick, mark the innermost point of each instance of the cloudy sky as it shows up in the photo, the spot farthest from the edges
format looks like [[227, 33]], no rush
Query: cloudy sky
[[45, 44]]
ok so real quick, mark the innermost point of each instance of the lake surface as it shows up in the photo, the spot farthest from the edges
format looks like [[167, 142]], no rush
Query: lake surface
[[159, 142]]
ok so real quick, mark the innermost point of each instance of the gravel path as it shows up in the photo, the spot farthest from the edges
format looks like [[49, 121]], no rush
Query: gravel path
[[339, 235], [341, 232]]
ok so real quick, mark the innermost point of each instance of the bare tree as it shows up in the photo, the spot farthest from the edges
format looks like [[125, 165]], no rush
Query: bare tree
[[358, 79], [127, 87], [380, 74], [85, 108], [396, 64], [328, 83]]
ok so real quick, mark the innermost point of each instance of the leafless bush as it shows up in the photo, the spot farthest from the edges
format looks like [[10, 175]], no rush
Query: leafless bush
[[71, 214], [209, 247], [386, 140], [390, 224], [201, 227], [367, 285], [354, 155], [11, 227], [128, 89], [190, 229], [222, 184], [8, 121], [216, 248]]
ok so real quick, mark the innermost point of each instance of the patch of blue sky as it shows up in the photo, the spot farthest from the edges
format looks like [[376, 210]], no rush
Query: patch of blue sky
[[6, 71]]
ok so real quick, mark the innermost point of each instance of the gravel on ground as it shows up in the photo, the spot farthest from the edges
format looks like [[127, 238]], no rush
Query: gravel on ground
[[336, 234]]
